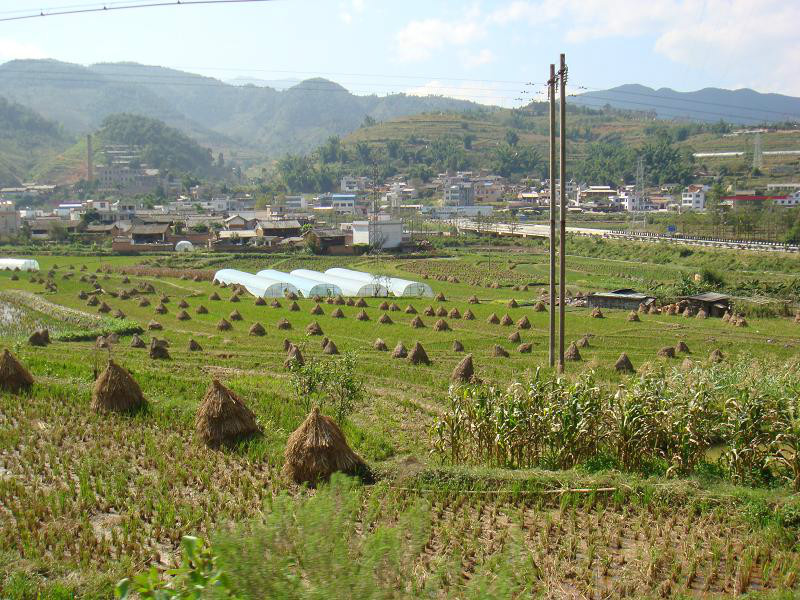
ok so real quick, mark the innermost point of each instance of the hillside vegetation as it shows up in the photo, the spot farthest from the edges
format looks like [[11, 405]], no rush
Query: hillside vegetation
[[25, 139]]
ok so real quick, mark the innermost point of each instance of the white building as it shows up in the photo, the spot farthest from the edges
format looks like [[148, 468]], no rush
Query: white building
[[458, 194], [351, 184], [9, 218], [791, 200], [383, 233], [694, 197]]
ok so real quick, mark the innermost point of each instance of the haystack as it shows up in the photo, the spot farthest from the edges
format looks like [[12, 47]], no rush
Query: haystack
[[257, 329], [429, 312], [701, 314], [158, 349], [653, 310], [596, 313], [682, 347], [572, 353], [324, 342], [468, 315], [183, 316], [40, 337], [154, 326], [394, 307], [337, 314], [194, 346], [361, 303], [115, 390], [441, 311], [214, 296], [687, 312], [493, 319], [739, 322], [164, 299], [183, 304], [234, 298], [623, 364], [514, 337], [525, 348], [506, 321], [716, 356], [104, 308], [667, 352], [499, 351], [144, 302], [379, 344], [286, 344], [385, 319], [410, 310], [275, 303], [464, 370], [259, 301], [317, 449], [440, 297], [350, 302], [384, 305], [161, 309], [339, 300], [222, 417], [294, 357], [137, 342], [524, 323], [473, 300], [317, 310], [201, 310], [118, 314], [441, 325], [82, 295], [330, 348], [633, 316], [294, 306], [235, 316], [454, 313], [224, 325], [399, 351], [458, 346], [291, 296], [417, 323], [313, 329], [14, 377], [512, 303], [418, 356], [362, 315]]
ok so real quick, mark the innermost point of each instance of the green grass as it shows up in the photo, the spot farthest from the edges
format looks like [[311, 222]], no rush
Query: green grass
[[70, 478]]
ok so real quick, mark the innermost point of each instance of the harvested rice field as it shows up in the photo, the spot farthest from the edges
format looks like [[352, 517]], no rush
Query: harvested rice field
[[608, 504]]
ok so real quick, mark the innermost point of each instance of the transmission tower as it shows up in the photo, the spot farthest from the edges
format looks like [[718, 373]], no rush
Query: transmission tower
[[758, 155]]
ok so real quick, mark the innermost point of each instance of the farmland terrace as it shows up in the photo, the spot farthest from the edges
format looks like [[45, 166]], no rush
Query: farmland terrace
[[87, 499]]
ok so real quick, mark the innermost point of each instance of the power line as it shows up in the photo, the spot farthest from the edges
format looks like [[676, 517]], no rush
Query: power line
[[108, 7]]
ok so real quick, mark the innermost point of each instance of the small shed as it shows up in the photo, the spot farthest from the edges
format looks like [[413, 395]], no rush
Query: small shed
[[715, 305], [624, 299]]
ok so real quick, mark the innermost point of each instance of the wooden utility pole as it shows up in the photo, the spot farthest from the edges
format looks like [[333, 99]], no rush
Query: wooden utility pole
[[562, 146], [551, 90]]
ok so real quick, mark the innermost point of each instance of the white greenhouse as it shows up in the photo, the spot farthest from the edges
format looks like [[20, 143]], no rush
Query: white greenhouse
[[307, 287], [397, 286], [349, 287], [184, 246], [258, 286], [23, 264]]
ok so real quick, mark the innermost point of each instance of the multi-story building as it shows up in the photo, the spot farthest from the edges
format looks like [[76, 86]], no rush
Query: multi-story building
[[9, 218], [458, 194], [381, 232], [694, 197]]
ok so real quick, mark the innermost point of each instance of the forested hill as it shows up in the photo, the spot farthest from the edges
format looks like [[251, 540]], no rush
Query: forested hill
[[25, 139], [162, 147], [245, 122]]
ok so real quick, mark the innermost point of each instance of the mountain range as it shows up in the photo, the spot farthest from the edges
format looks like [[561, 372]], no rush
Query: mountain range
[[743, 106], [247, 122]]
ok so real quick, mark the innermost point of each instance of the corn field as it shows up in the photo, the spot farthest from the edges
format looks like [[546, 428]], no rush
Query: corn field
[[743, 420]]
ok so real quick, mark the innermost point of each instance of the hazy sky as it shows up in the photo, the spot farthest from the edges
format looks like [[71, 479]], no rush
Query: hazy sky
[[485, 51]]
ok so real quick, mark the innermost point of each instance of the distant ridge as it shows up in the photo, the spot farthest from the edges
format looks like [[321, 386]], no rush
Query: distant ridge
[[744, 106]]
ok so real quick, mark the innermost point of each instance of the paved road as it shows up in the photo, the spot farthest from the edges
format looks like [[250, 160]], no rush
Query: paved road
[[535, 230]]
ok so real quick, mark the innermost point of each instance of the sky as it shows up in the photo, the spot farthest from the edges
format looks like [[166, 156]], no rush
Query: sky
[[490, 51]]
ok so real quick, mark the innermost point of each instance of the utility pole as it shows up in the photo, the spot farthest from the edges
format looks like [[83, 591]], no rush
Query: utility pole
[[562, 146], [551, 90]]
